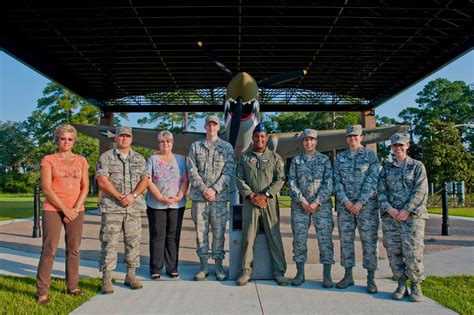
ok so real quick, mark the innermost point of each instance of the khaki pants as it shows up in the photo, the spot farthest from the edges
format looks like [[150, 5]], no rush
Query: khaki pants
[[52, 225], [270, 219]]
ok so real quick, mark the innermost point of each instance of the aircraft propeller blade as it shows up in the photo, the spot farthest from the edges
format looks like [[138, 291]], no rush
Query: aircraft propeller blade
[[281, 78], [215, 59], [235, 122]]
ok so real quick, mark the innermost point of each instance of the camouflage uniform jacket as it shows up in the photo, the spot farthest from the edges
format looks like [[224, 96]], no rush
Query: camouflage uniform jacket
[[210, 166], [356, 176], [404, 187], [260, 173], [310, 179], [124, 174]]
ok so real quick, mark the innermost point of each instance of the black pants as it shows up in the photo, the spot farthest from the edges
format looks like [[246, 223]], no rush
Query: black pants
[[165, 230]]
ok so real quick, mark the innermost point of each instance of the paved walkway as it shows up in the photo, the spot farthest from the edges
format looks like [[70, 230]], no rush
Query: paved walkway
[[445, 255]]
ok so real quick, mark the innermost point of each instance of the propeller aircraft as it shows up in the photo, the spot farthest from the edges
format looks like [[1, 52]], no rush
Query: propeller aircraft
[[241, 115]]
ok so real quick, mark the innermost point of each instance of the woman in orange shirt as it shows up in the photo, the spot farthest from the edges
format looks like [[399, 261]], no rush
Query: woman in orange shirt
[[65, 181]]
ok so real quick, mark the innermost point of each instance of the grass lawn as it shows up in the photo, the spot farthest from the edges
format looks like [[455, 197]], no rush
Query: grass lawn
[[455, 292], [18, 295], [17, 206], [462, 212]]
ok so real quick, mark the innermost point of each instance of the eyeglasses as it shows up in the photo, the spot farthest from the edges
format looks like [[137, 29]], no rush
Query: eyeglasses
[[67, 139]]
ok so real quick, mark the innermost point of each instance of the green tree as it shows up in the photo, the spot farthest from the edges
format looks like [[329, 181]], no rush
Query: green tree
[[439, 136], [59, 106], [444, 101], [176, 122], [297, 121], [15, 147], [448, 159]]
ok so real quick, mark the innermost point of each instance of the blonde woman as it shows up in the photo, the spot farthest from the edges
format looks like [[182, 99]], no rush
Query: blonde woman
[[165, 206], [65, 182]]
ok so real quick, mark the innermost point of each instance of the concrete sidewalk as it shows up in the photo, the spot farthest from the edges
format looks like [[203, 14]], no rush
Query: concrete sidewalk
[[186, 296], [444, 255]]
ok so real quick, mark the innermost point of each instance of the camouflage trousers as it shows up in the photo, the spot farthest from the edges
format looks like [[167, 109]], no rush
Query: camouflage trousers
[[324, 225], [111, 226], [404, 242], [367, 223], [216, 214]]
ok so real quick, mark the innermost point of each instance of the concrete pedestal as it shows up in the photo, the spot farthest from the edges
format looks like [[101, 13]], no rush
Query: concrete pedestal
[[262, 265]]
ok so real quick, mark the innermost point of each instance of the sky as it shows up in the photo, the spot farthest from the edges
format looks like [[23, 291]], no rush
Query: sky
[[21, 87]]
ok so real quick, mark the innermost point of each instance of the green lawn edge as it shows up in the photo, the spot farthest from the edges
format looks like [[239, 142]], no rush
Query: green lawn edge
[[18, 295], [454, 292], [21, 206]]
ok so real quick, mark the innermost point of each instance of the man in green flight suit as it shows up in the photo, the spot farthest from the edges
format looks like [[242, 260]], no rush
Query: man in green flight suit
[[260, 176]]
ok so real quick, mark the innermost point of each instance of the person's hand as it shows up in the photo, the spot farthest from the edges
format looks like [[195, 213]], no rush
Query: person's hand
[[127, 200], [209, 194], [260, 200], [348, 204], [313, 207], [169, 200], [178, 197], [356, 208], [75, 209], [305, 205], [70, 214], [403, 215], [393, 213]]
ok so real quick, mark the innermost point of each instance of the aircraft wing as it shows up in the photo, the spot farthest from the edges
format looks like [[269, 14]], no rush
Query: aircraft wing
[[289, 144], [143, 137]]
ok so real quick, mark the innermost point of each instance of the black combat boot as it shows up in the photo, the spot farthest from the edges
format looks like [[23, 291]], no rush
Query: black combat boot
[[347, 281], [203, 271], [299, 278], [371, 286]]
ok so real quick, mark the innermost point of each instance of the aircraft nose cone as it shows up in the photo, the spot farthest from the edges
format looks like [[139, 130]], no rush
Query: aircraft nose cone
[[243, 85]]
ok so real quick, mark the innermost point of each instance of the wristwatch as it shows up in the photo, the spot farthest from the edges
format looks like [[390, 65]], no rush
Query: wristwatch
[[267, 194], [135, 195]]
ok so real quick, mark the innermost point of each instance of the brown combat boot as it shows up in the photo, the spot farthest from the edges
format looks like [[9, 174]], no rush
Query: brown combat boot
[[203, 270], [107, 287], [401, 290], [220, 273], [243, 279], [415, 292], [131, 280]]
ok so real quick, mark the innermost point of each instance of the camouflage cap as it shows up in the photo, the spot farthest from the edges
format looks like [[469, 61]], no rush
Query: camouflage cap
[[310, 133], [354, 130], [123, 130], [212, 118], [399, 138]]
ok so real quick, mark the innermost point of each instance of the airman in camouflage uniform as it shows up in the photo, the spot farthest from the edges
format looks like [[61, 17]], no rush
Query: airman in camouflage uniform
[[260, 176], [211, 170], [403, 193], [355, 184], [122, 176], [310, 185]]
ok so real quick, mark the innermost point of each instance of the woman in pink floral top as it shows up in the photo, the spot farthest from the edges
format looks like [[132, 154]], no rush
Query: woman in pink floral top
[[165, 206]]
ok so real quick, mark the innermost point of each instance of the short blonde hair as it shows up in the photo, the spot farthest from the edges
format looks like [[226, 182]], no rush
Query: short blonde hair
[[165, 134], [62, 129]]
